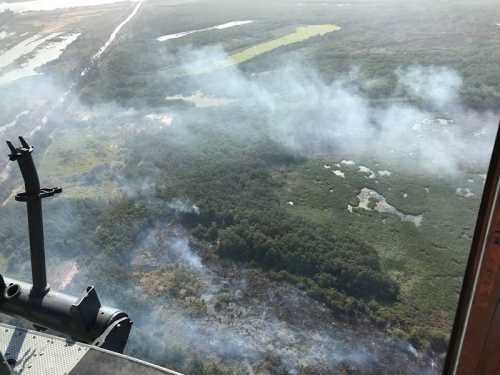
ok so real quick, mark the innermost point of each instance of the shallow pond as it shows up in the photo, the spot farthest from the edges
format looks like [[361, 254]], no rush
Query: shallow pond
[[219, 27], [48, 50], [37, 5]]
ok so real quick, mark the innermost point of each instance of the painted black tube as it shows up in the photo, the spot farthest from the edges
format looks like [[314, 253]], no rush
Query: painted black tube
[[35, 218], [53, 310]]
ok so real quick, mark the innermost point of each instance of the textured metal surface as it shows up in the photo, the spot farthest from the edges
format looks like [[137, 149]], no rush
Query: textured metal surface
[[54, 310], [98, 361], [39, 354]]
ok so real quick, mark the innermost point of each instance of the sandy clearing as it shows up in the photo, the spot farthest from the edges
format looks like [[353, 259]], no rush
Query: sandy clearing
[[339, 173], [348, 162], [382, 206], [364, 169], [327, 166], [464, 192], [384, 173]]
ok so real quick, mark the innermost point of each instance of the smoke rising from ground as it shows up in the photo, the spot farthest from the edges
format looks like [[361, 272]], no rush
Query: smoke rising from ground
[[182, 251], [132, 190], [305, 113], [181, 206], [251, 320], [439, 87]]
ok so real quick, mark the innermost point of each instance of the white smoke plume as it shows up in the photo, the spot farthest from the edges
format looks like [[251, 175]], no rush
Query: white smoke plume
[[304, 112], [261, 321], [438, 86], [183, 206], [181, 248], [167, 245], [129, 189]]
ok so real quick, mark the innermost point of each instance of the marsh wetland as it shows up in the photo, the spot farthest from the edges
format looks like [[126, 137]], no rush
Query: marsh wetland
[[282, 187]]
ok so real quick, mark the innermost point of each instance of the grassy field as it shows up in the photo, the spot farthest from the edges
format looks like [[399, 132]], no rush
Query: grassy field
[[72, 160], [427, 262], [300, 34]]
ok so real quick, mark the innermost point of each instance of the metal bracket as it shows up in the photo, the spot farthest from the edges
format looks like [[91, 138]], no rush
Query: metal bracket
[[85, 310], [44, 193], [4, 366], [116, 335], [18, 152]]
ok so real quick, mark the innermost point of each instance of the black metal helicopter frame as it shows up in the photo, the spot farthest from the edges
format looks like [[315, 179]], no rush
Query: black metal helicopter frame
[[84, 319]]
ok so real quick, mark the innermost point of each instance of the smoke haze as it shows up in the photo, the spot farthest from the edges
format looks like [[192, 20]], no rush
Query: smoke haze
[[248, 320], [305, 113]]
